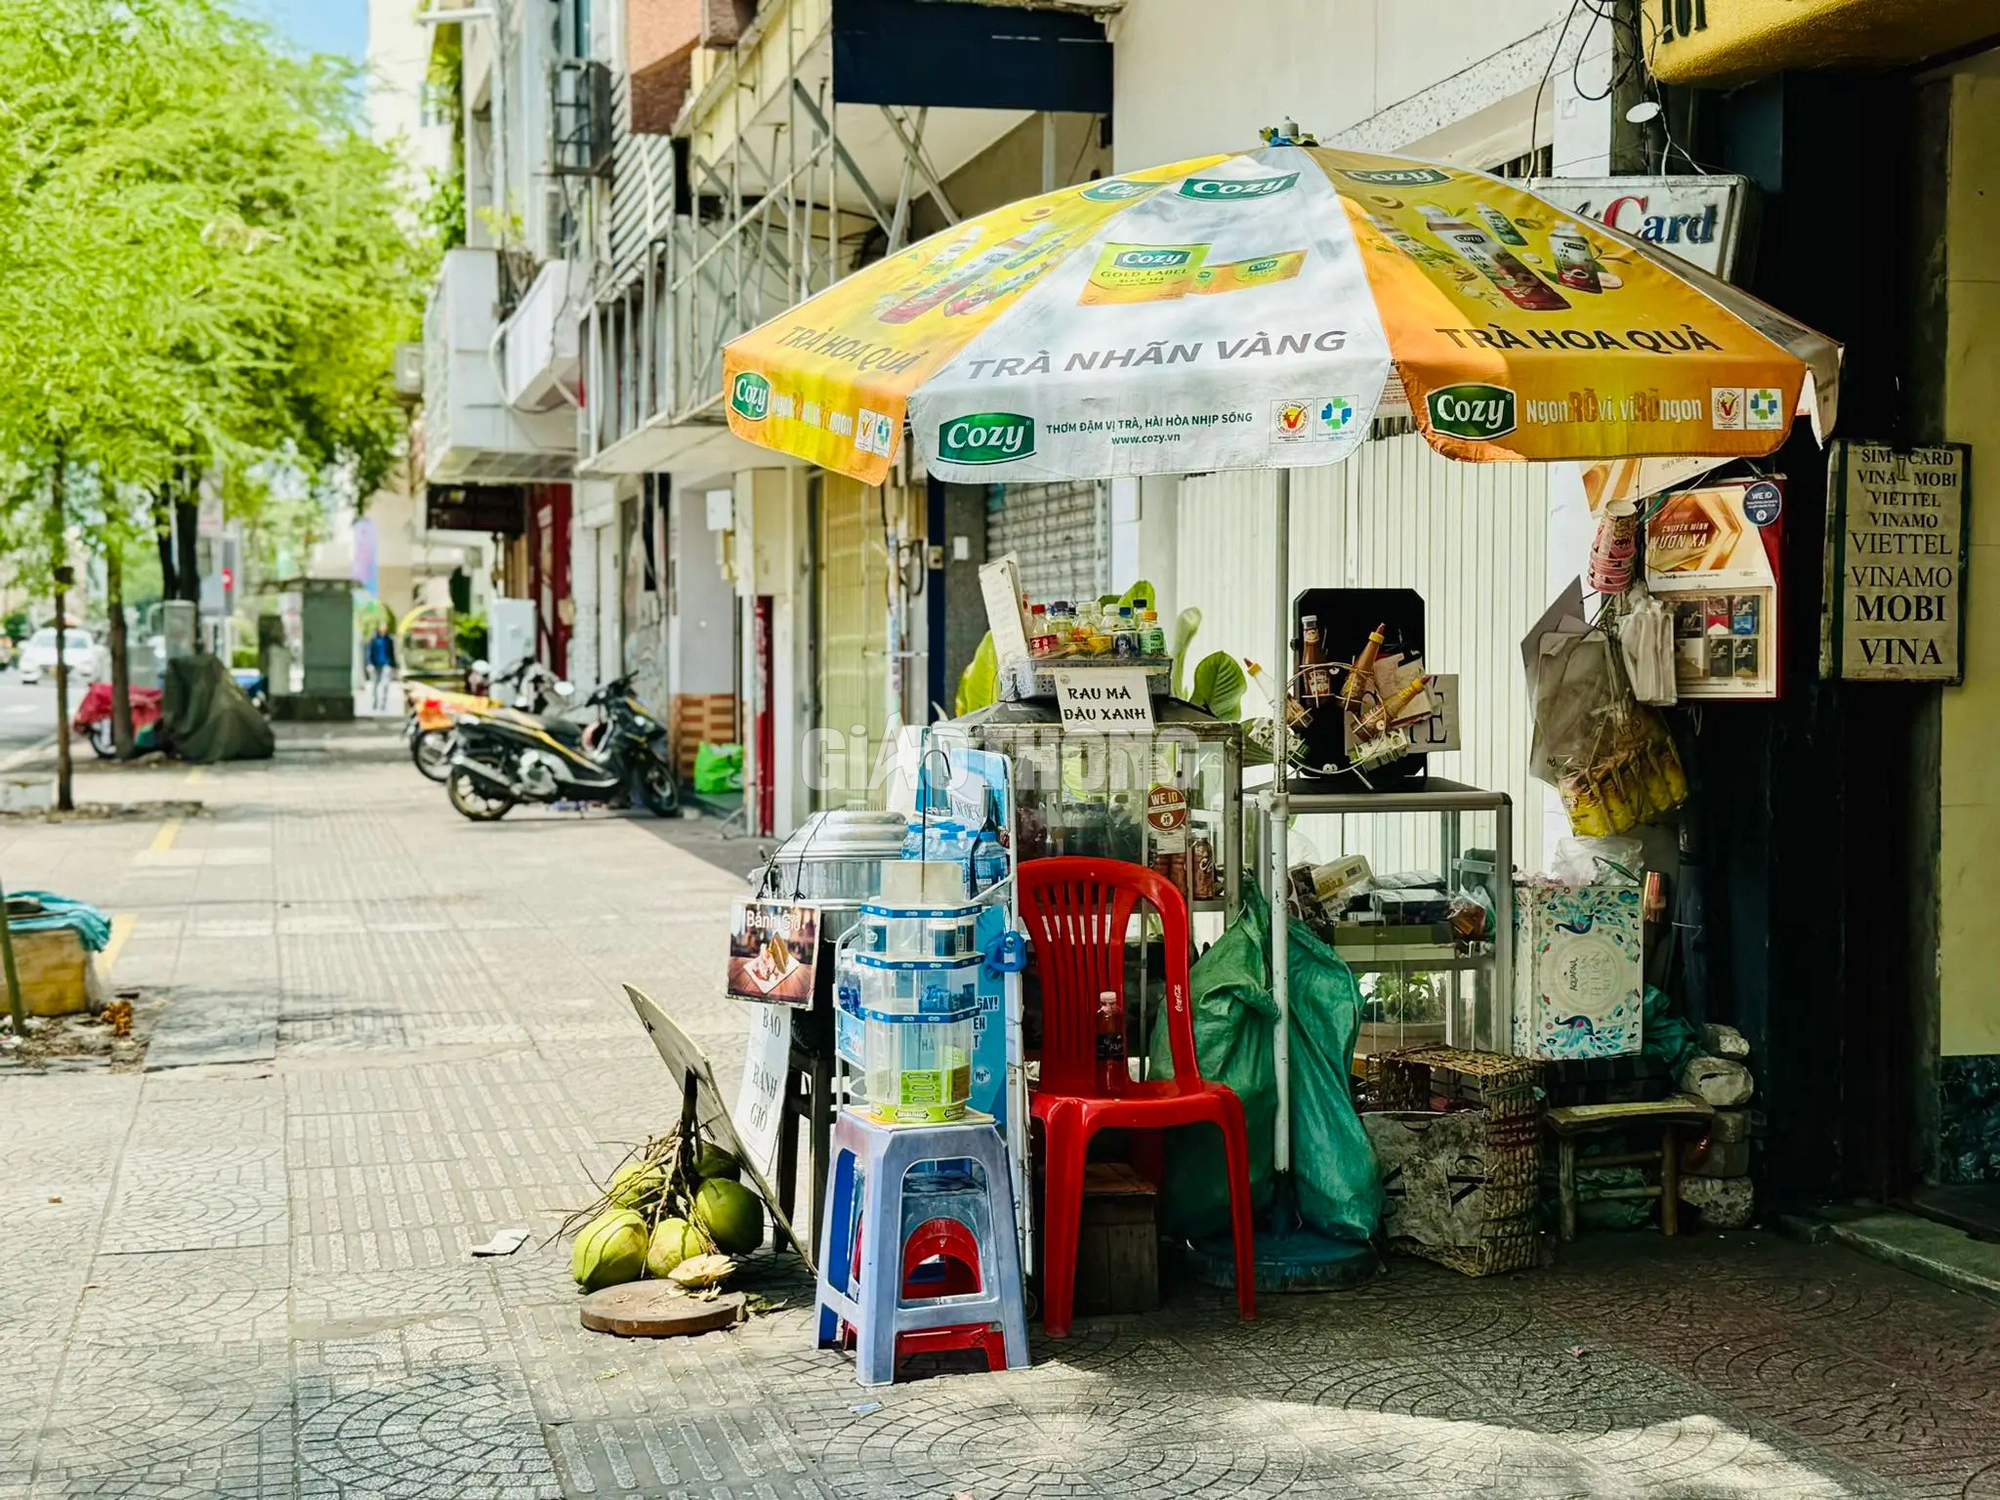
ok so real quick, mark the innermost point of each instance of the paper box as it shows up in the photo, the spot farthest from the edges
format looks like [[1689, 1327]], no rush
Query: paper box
[[1579, 982]]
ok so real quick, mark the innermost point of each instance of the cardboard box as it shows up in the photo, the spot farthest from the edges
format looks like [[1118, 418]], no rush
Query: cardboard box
[[56, 973], [1579, 971]]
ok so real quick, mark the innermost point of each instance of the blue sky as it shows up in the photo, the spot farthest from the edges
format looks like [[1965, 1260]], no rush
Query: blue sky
[[319, 25]]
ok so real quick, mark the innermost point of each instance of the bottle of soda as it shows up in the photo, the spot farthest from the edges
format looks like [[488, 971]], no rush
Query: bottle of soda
[[1112, 1075]]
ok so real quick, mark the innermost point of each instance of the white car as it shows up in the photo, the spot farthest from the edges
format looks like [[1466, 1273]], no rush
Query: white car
[[38, 657]]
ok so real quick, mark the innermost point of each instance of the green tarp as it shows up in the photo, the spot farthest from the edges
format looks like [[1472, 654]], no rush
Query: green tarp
[[207, 717]]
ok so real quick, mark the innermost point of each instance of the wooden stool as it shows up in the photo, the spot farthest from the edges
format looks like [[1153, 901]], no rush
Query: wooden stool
[[1669, 1116]]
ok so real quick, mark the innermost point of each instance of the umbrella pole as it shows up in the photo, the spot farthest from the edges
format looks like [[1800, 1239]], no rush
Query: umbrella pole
[[1281, 656]]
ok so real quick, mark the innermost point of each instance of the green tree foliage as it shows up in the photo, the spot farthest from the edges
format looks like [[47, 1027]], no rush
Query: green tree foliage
[[202, 253], [204, 264]]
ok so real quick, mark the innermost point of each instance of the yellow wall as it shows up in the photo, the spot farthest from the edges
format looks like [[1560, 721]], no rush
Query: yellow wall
[[1969, 780]]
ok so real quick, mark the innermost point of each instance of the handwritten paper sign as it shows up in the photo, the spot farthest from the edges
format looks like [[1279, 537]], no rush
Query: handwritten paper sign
[[760, 1097], [1105, 700], [1895, 563]]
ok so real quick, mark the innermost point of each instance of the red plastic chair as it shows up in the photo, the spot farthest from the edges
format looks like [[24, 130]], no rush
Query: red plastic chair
[[1076, 912]]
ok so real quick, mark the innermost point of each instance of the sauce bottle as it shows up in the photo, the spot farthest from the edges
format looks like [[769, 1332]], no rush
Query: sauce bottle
[[1112, 1075]]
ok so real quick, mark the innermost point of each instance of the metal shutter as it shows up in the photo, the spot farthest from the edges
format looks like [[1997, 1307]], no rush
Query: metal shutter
[[1471, 538], [1060, 532]]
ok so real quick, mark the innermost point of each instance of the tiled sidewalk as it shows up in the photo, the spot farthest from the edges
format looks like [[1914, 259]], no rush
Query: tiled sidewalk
[[249, 1278]]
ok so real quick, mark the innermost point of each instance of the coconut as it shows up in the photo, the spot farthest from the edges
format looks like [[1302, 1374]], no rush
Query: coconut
[[713, 1161], [635, 1182], [730, 1214], [609, 1250], [674, 1240]]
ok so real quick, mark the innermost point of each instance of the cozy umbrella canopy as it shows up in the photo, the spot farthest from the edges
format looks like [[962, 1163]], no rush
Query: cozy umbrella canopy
[[1258, 311]]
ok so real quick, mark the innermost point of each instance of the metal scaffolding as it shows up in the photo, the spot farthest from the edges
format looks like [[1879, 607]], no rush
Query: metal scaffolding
[[734, 239]]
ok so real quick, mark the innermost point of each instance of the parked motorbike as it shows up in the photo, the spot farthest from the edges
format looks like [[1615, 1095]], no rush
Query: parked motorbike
[[93, 717], [527, 686], [502, 758]]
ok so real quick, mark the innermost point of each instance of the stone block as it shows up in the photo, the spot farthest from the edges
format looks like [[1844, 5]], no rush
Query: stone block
[[1724, 1159], [1730, 1125], [1722, 1202], [1724, 1041], [1718, 1081]]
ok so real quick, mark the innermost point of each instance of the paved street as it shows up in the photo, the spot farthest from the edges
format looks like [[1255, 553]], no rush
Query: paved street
[[27, 714], [389, 1032]]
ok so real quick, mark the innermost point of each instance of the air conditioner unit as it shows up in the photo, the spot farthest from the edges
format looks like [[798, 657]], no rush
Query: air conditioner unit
[[471, 434], [538, 346]]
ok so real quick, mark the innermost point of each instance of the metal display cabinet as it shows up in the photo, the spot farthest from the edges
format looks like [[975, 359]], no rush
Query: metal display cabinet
[[1087, 793], [1482, 1018]]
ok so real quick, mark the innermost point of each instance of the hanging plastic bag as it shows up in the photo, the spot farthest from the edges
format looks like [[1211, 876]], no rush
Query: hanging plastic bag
[[1334, 1174], [1646, 641], [1608, 756], [1234, 1018]]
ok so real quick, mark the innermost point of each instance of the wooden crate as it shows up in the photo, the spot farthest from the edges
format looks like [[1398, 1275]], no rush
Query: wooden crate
[[55, 971], [698, 719], [1118, 1252]]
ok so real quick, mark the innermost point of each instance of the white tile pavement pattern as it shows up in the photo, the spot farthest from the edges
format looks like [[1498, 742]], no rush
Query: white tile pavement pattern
[[390, 1032]]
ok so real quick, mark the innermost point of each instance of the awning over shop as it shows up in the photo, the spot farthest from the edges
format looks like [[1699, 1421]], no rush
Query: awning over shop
[[1724, 41]]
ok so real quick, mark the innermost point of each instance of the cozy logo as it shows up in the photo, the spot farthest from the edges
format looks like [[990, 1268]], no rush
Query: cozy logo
[[750, 396], [1398, 176], [1234, 188], [1764, 409], [1118, 190], [1725, 408], [1472, 411], [1151, 260], [987, 437]]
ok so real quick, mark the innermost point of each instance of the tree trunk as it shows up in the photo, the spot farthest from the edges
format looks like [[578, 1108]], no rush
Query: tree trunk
[[59, 545], [163, 533], [187, 568], [121, 667]]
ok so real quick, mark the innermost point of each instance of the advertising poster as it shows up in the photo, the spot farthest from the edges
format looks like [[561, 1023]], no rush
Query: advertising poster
[[1712, 557], [771, 952]]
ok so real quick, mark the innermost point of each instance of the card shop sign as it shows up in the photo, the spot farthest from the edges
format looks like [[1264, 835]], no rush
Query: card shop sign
[[1896, 551]]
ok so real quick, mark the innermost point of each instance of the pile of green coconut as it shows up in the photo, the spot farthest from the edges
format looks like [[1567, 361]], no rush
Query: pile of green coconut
[[673, 1210]]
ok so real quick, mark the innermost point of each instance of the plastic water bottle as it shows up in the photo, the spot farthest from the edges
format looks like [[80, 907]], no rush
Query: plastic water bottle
[[989, 861]]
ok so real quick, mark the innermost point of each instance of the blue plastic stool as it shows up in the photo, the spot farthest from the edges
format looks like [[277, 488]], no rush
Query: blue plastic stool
[[881, 1157]]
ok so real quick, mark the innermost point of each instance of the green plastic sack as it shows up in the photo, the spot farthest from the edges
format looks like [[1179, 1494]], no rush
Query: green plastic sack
[[718, 768], [1334, 1176], [1234, 1017], [1666, 1034]]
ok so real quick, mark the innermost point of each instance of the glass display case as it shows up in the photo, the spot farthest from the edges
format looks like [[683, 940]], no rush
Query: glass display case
[[1421, 982], [1170, 799]]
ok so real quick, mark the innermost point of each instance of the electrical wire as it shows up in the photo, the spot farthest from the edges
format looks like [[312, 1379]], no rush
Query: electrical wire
[[1535, 112]]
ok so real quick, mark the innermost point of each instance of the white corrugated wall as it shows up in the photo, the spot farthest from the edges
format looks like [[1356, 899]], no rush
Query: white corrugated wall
[[1469, 537]]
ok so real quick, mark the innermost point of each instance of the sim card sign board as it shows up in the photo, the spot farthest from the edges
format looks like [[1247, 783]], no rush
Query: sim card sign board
[[1712, 558], [1896, 540]]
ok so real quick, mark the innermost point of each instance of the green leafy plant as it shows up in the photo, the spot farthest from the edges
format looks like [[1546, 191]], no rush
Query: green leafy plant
[[1186, 625], [979, 683], [1218, 685]]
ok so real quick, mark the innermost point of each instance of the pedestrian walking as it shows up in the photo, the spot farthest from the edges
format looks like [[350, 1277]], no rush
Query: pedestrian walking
[[381, 664]]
